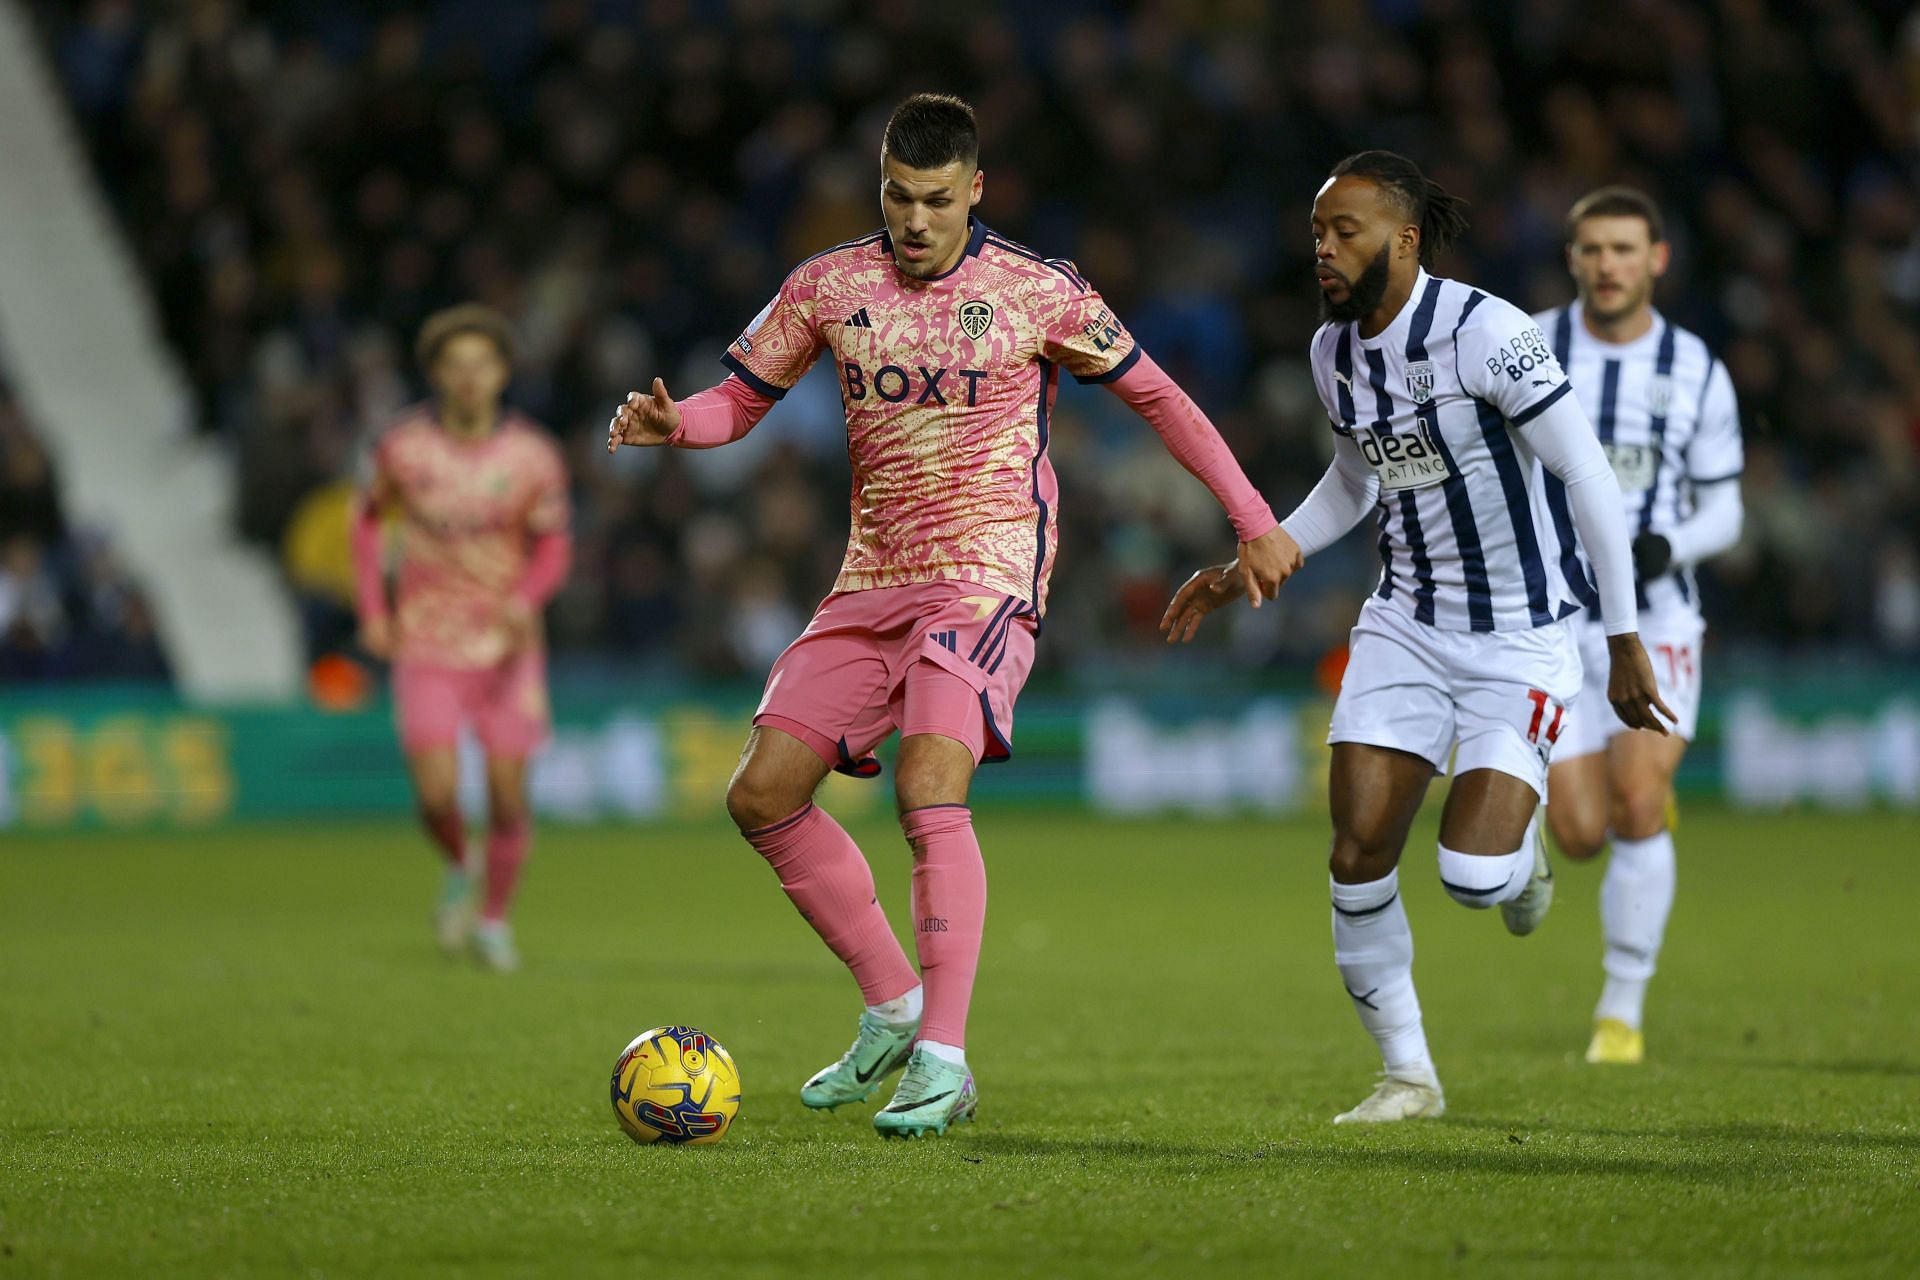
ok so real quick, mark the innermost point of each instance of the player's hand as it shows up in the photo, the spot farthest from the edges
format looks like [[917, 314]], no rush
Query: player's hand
[[376, 637], [1268, 561], [1652, 556], [1631, 687], [522, 623], [1201, 594], [644, 419]]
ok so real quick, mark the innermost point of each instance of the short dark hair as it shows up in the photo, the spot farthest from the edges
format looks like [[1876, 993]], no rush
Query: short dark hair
[[1441, 217], [930, 130], [467, 317], [1616, 202]]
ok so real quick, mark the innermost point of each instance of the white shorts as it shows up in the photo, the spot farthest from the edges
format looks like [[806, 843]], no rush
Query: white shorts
[[1501, 697], [1672, 639]]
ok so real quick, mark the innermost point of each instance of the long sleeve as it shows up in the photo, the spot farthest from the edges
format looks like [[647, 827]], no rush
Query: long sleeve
[[1192, 439], [546, 568], [370, 591], [1341, 500], [719, 415], [1714, 525], [1561, 437]]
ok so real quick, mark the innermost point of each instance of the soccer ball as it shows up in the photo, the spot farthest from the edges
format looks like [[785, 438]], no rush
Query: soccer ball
[[676, 1085]]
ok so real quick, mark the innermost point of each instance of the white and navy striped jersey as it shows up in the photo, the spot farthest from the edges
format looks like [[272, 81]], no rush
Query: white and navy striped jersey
[[1667, 417], [1437, 402]]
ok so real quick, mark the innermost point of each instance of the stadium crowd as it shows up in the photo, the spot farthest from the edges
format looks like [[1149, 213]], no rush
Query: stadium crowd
[[68, 607], [629, 181]]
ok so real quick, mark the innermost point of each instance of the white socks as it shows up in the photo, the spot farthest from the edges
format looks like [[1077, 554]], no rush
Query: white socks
[[900, 1010], [1635, 897], [951, 1054], [1374, 948], [1487, 880]]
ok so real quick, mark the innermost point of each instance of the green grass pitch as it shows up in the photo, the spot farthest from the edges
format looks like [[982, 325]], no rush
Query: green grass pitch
[[238, 1053]]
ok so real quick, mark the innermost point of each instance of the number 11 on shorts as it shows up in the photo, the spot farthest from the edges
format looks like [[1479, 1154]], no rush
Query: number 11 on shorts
[[1539, 699]]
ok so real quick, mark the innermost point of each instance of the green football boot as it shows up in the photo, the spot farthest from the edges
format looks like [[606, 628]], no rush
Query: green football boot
[[453, 914], [493, 946], [932, 1095], [878, 1051]]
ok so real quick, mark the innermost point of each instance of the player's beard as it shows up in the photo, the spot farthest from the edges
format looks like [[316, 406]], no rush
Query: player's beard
[[1631, 300], [1363, 295]]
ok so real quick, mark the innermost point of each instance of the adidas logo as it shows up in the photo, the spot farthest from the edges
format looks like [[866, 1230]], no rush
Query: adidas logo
[[949, 640], [858, 320]]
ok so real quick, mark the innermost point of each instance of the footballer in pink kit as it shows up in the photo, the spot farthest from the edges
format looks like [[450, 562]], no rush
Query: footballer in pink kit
[[948, 341], [481, 498]]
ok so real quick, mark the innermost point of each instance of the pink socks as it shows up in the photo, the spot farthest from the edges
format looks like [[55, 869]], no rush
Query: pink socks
[[506, 851], [949, 914], [830, 883]]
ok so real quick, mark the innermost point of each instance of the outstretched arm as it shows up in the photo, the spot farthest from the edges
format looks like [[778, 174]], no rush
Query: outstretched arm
[[1345, 494], [1565, 444], [719, 415], [1341, 500], [1192, 439]]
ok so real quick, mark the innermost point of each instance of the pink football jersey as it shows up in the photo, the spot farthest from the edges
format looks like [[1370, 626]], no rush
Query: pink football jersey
[[948, 384], [470, 510]]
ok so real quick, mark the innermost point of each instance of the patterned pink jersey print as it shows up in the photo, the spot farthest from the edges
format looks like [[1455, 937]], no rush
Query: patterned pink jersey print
[[469, 513], [948, 385]]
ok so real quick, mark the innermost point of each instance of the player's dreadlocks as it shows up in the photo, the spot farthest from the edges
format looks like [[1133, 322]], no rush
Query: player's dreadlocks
[[1441, 217]]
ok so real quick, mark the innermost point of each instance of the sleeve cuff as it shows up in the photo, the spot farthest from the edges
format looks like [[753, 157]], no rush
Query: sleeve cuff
[[1541, 405], [751, 378], [1731, 475], [1257, 525], [1114, 374]]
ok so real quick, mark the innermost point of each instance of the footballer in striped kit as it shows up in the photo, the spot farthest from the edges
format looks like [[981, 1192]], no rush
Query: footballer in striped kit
[[1442, 399], [1664, 411]]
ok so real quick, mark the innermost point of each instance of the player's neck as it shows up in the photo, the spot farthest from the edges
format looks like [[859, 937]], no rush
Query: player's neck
[[1620, 329], [475, 426], [1398, 294]]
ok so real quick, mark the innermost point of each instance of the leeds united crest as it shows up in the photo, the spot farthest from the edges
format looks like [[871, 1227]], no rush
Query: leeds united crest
[[1420, 380], [975, 316]]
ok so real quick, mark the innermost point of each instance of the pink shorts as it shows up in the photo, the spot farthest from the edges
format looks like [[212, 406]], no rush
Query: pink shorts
[[505, 704], [930, 657]]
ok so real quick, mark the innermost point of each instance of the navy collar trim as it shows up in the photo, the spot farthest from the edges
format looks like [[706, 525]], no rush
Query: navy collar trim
[[975, 240]]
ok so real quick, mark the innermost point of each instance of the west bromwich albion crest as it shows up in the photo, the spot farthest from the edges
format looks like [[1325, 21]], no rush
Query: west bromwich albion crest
[[975, 316], [1420, 381], [1659, 395]]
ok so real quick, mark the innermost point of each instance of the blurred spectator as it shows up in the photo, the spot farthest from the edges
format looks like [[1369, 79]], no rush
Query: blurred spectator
[[68, 609], [628, 180]]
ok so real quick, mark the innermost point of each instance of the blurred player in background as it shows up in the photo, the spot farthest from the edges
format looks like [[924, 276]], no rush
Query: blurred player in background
[[481, 499], [1665, 412], [947, 340], [1441, 398]]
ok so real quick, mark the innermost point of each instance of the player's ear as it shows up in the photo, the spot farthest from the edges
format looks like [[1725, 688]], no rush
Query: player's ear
[[979, 186], [1662, 255], [1410, 242]]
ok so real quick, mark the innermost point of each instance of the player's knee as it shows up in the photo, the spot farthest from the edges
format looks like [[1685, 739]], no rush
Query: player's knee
[[1360, 856], [437, 809], [755, 801], [1579, 838], [931, 771], [505, 812], [1639, 810], [919, 787]]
